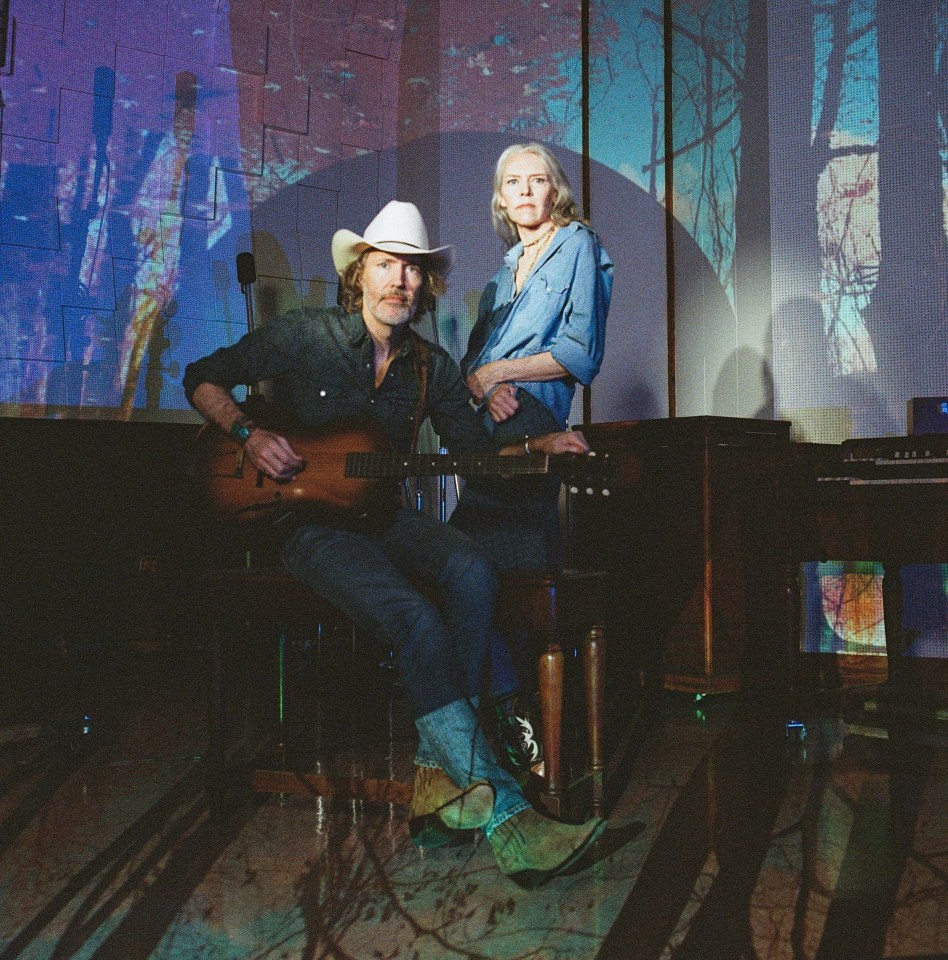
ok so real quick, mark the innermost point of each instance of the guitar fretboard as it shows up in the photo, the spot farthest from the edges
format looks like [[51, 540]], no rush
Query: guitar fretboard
[[380, 465]]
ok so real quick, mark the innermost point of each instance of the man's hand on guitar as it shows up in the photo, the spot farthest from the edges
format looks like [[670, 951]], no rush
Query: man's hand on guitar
[[273, 454]]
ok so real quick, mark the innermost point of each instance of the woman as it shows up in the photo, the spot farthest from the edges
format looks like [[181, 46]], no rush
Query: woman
[[540, 329]]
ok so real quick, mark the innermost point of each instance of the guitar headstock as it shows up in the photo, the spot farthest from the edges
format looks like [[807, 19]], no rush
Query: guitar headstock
[[587, 474]]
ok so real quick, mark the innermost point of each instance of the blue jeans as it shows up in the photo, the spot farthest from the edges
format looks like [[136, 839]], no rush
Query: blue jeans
[[521, 533], [441, 645]]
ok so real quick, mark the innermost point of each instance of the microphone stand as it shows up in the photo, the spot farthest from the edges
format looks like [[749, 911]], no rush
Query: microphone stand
[[247, 277], [442, 478]]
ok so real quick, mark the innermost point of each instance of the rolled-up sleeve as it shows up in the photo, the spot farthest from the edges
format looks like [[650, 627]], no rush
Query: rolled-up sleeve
[[580, 338]]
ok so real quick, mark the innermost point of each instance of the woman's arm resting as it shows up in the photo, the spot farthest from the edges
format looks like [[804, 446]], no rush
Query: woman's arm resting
[[536, 369]]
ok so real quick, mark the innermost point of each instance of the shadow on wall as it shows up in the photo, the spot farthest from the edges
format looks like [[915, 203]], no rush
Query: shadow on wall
[[744, 366], [823, 406], [707, 342]]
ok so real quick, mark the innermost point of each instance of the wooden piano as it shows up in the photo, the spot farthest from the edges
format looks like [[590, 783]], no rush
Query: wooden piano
[[710, 519], [692, 537]]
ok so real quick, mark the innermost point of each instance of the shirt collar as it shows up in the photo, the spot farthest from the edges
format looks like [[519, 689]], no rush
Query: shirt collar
[[514, 253], [358, 335], [355, 329]]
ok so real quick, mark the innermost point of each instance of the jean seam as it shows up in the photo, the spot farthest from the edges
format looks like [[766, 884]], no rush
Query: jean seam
[[495, 822]]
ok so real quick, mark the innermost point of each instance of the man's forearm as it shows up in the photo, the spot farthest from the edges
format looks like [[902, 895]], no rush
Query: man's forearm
[[217, 406]]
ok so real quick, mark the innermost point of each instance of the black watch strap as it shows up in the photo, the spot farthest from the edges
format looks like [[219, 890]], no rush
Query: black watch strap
[[241, 431]]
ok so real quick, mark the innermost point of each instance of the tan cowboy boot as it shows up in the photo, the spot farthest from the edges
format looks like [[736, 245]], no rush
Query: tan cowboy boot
[[531, 848], [439, 808]]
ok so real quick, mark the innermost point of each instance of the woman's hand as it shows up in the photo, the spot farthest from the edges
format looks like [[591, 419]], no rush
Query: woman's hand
[[482, 380], [502, 403], [566, 441]]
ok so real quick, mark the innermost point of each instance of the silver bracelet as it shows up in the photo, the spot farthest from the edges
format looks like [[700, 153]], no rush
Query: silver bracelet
[[526, 446]]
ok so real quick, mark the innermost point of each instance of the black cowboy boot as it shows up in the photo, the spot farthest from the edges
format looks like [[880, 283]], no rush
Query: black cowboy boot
[[518, 732]]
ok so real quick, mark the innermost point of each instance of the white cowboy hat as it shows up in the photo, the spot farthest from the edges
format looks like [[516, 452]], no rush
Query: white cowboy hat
[[398, 228]]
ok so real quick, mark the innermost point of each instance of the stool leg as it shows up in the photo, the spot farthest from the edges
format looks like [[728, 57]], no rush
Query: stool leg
[[594, 675], [551, 710]]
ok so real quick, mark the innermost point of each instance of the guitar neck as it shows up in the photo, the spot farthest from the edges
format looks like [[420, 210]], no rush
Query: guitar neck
[[381, 465]]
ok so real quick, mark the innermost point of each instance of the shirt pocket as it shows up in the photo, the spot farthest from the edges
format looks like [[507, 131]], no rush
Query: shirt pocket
[[553, 290], [397, 407], [321, 399]]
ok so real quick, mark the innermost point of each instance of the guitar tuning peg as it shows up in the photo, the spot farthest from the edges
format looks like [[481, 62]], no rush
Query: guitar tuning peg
[[573, 489], [589, 491]]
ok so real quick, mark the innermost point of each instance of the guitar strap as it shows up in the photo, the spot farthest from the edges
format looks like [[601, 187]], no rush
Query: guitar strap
[[421, 361]]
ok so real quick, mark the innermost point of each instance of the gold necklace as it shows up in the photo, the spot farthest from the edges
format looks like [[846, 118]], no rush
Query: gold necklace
[[525, 265], [538, 245], [540, 238]]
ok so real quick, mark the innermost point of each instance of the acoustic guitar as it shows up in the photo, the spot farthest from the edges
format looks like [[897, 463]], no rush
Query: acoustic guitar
[[345, 463]]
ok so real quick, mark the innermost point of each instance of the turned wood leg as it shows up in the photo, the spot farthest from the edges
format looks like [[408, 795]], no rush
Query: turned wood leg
[[594, 677], [551, 710]]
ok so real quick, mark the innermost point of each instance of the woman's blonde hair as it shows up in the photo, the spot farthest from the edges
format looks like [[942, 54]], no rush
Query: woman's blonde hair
[[564, 206]]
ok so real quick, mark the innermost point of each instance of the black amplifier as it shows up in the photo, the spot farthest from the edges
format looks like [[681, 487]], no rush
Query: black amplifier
[[920, 458]]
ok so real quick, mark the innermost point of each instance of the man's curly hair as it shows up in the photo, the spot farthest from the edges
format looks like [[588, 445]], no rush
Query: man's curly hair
[[433, 284]]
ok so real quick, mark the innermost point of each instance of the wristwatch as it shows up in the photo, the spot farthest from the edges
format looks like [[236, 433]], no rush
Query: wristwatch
[[241, 431]]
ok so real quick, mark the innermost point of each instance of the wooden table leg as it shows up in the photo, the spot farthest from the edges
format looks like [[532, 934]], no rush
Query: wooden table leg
[[551, 710], [594, 676]]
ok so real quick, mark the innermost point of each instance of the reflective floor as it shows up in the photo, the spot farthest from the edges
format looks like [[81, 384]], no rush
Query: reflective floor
[[727, 839]]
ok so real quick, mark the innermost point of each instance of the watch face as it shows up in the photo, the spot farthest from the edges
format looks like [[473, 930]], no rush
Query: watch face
[[241, 433]]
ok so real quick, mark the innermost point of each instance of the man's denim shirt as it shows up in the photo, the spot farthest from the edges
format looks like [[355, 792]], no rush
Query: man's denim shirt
[[561, 307], [321, 363]]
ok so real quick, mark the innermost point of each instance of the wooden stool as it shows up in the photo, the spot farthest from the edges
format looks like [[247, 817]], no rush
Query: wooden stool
[[556, 609], [272, 602], [553, 608]]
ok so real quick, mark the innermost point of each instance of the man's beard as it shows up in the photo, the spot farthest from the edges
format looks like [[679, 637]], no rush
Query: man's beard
[[392, 314]]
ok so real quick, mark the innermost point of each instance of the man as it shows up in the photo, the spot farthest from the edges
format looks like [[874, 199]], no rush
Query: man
[[363, 359]]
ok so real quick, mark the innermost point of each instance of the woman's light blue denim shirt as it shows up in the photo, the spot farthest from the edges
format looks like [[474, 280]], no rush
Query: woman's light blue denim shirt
[[561, 307]]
